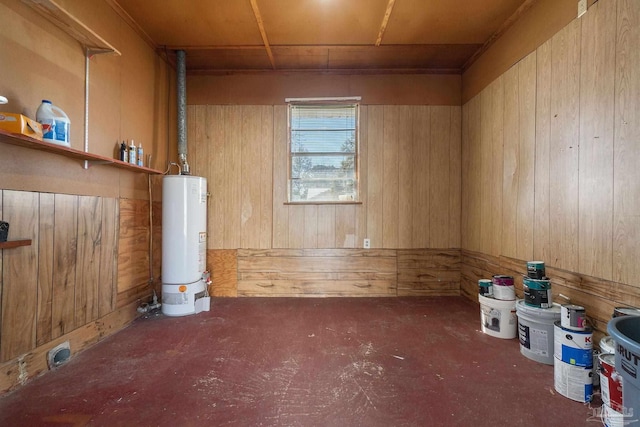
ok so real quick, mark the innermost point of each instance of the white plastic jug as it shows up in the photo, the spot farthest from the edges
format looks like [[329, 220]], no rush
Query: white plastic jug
[[55, 123]]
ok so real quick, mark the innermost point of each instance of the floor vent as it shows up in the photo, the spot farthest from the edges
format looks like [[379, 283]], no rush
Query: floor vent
[[59, 355]]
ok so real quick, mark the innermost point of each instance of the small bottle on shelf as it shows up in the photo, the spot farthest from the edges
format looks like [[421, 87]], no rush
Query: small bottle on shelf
[[132, 153], [124, 152], [140, 155]]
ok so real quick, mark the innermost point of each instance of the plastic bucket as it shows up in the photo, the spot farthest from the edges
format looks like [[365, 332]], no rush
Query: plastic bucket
[[573, 347], [498, 317], [625, 331], [610, 382], [573, 382], [535, 331]]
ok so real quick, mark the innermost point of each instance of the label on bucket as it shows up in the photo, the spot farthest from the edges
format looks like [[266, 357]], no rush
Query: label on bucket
[[535, 340], [573, 347], [574, 382]]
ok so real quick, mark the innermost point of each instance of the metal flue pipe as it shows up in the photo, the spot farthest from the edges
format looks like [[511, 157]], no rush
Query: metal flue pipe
[[182, 111]]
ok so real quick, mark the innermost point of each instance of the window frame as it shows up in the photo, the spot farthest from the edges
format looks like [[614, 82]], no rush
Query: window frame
[[347, 101]]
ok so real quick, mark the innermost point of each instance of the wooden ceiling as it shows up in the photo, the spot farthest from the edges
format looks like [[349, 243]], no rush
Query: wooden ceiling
[[221, 36]]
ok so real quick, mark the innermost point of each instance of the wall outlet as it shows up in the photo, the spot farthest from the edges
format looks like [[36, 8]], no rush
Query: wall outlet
[[582, 7], [367, 244]]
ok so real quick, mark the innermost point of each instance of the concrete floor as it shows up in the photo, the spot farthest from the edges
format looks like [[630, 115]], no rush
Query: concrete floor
[[301, 362]]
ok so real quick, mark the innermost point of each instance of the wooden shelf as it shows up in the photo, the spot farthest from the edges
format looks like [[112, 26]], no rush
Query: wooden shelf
[[56, 14], [9, 244], [93, 159]]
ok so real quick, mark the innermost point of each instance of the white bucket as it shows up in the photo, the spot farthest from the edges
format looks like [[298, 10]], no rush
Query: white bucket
[[498, 317], [535, 331], [573, 382]]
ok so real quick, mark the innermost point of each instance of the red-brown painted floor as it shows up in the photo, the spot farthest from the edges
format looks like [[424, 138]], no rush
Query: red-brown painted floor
[[301, 362]]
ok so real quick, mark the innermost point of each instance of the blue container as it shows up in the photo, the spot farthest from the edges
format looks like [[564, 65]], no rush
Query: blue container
[[626, 334]]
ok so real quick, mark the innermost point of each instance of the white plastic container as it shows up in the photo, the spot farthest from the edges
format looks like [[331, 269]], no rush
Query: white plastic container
[[535, 331], [498, 317], [55, 123]]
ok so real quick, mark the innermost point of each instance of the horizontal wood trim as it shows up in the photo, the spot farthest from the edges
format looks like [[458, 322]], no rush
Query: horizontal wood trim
[[348, 272]]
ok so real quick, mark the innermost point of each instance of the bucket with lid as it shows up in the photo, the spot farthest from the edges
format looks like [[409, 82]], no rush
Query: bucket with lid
[[535, 331], [498, 317]]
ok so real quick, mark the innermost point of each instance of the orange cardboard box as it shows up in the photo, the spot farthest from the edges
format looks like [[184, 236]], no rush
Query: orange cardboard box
[[17, 123]]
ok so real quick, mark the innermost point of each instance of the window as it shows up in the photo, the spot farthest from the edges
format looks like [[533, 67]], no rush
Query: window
[[323, 150]]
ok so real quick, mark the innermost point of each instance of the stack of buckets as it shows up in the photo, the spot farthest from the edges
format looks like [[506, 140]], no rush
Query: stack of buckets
[[536, 315], [573, 353], [497, 299], [616, 411]]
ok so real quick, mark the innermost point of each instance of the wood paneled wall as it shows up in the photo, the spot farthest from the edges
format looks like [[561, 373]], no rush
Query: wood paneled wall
[[409, 181], [78, 273], [550, 155]]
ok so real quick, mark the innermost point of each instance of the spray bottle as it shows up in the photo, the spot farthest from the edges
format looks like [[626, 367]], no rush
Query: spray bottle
[[132, 153], [124, 152], [140, 155]]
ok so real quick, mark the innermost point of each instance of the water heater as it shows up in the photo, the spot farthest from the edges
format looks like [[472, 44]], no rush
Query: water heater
[[184, 245]]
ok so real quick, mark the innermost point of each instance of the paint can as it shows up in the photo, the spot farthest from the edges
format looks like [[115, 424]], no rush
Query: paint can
[[610, 382], [573, 347], [498, 317], [626, 311], [535, 331], [485, 287], [607, 345], [503, 288], [537, 293], [574, 317], [535, 270], [596, 368], [612, 418], [573, 382]]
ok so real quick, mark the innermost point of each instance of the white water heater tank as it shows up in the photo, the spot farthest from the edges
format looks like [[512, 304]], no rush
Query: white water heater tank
[[184, 244]]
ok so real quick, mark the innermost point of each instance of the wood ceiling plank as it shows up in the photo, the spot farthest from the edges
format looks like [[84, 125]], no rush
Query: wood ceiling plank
[[263, 33], [385, 21]]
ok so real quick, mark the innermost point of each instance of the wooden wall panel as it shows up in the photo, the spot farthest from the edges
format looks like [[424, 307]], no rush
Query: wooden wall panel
[[595, 222], [455, 177], [570, 157], [88, 258], [525, 201], [403, 149], [439, 177], [107, 286], [280, 162], [19, 275], [542, 239], [420, 181], [65, 241], [390, 177], [564, 146], [375, 181], [45, 268], [133, 244], [626, 153]]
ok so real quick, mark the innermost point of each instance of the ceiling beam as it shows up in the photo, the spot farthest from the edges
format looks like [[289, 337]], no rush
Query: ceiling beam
[[263, 33], [385, 21], [524, 7]]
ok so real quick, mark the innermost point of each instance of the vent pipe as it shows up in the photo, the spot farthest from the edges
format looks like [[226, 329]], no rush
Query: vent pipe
[[182, 112]]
